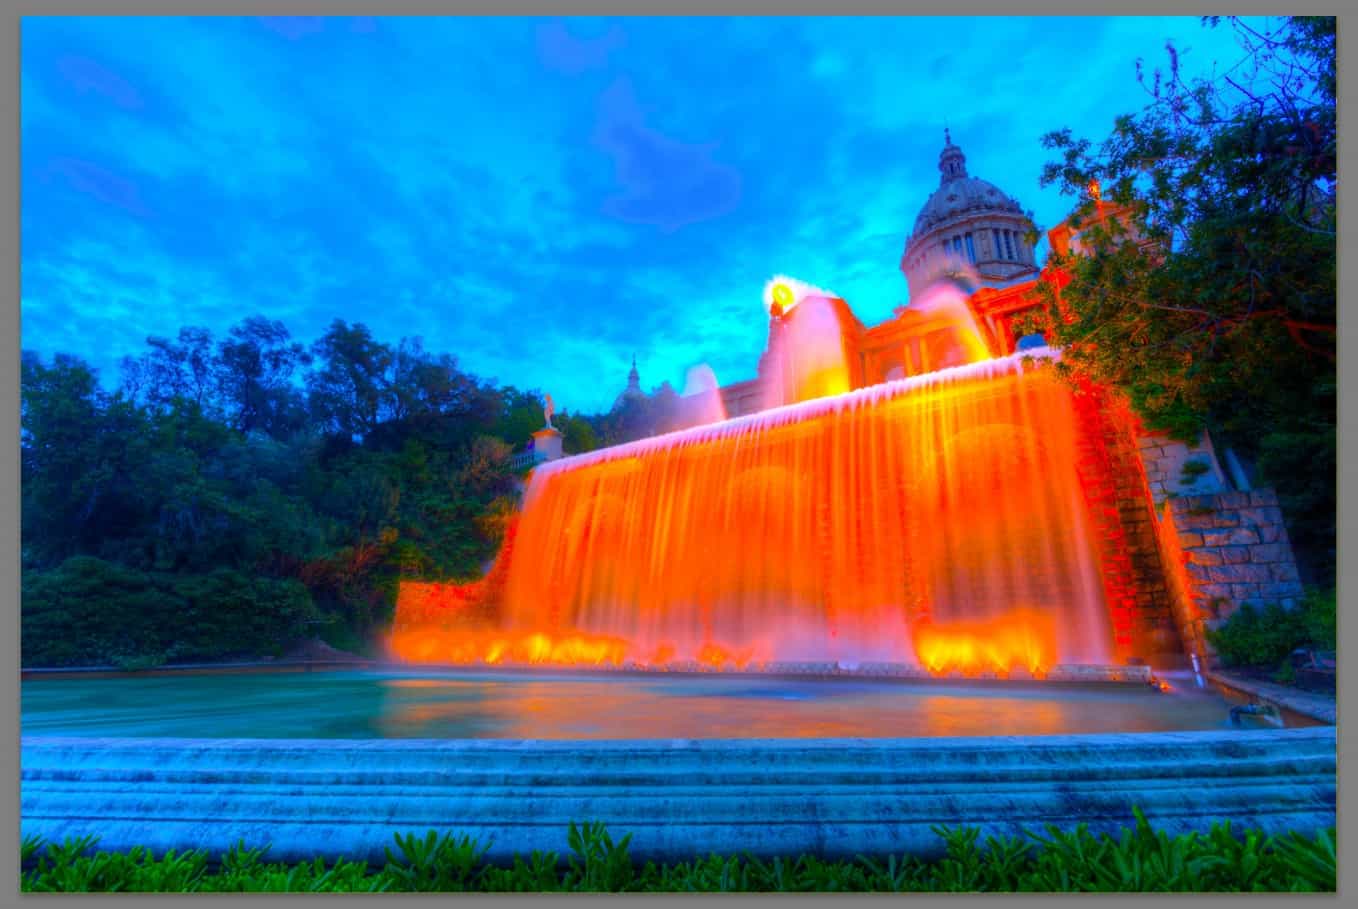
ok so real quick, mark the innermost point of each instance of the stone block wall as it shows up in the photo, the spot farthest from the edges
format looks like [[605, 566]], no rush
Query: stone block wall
[[1164, 460], [1114, 481], [1222, 551]]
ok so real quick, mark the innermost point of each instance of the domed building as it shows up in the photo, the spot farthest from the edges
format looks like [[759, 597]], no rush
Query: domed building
[[633, 389], [969, 233], [968, 225]]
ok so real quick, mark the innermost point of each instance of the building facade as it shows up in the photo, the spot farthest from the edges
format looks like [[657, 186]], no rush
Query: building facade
[[970, 236], [1181, 550]]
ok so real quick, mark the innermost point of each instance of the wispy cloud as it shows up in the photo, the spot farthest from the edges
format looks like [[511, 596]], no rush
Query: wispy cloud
[[540, 198]]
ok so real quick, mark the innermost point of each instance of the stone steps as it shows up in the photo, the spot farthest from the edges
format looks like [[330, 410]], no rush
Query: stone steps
[[678, 799]]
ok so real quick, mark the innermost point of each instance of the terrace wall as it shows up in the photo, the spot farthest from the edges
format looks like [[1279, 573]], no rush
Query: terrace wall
[[1113, 475], [1223, 551]]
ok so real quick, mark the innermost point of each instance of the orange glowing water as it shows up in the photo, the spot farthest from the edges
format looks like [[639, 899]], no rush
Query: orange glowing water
[[936, 521]]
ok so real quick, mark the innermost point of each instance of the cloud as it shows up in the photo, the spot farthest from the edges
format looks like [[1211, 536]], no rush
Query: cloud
[[85, 75], [90, 179], [563, 52], [663, 182], [440, 177], [294, 28]]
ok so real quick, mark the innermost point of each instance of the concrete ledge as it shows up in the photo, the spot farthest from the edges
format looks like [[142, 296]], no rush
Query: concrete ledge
[[1080, 674], [679, 799], [1306, 703], [86, 672]]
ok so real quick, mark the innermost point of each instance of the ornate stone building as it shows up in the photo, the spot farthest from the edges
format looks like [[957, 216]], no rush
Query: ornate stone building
[[1180, 551], [969, 233], [967, 227]]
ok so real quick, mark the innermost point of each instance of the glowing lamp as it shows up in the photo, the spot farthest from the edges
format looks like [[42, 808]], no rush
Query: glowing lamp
[[782, 293]]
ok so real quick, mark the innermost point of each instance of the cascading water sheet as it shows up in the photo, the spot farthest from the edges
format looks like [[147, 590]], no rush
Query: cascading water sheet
[[937, 521]]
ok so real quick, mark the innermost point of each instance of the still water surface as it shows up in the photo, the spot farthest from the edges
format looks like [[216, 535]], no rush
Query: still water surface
[[371, 704]]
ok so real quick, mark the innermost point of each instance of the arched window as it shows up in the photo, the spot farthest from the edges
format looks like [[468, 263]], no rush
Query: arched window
[[1008, 246], [971, 250], [999, 252]]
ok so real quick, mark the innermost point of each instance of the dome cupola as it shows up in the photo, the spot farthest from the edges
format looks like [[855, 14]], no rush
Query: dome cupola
[[968, 225]]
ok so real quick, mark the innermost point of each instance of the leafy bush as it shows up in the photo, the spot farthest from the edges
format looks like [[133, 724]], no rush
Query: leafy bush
[[1265, 638], [1137, 859], [1320, 617], [1254, 637], [89, 611]]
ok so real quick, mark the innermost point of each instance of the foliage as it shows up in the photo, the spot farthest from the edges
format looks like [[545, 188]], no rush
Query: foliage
[[1265, 638], [1205, 286], [1138, 858], [233, 494], [89, 611], [1320, 617]]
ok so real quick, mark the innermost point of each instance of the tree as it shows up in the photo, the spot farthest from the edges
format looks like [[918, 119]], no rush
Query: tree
[[520, 417], [577, 434], [172, 371], [82, 456], [351, 391], [253, 376], [201, 505], [1210, 299]]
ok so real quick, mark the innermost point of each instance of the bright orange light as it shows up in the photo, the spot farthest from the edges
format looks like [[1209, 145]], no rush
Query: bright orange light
[[1019, 640], [937, 521], [492, 647]]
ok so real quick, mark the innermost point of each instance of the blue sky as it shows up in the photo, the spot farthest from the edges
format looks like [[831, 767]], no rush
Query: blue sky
[[541, 198]]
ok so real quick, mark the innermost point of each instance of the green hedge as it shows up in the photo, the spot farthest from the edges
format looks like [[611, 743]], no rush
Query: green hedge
[[92, 612], [1138, 859]]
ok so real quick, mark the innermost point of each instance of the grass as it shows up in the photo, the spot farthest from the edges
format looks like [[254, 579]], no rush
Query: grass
[[1138, 859]]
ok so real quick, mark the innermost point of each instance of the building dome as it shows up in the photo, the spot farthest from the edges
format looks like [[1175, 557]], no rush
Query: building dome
[[960, 197], [967, 225], [633, 389]]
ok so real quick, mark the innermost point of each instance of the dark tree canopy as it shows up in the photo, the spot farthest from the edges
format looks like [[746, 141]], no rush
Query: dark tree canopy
[[1211, 298], [333, 470]]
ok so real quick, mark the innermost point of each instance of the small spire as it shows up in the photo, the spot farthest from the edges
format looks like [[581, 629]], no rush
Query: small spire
[[633, 377], [952, 164]]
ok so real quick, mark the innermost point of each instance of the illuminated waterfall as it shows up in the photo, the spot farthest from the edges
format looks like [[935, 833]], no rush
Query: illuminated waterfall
[[936, 521]]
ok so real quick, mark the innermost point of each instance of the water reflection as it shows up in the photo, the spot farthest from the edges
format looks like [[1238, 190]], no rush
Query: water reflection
[[366, 705]]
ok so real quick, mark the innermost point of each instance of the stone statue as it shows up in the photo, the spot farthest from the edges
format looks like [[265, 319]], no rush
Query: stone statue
[[548, 409]]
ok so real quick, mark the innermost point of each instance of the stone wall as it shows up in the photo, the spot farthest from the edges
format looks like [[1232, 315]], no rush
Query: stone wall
[[1164, 460], [1114, 481], [1222, 551]]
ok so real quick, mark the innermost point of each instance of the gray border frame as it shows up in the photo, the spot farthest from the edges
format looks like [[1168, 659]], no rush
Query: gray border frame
[[10, 18]]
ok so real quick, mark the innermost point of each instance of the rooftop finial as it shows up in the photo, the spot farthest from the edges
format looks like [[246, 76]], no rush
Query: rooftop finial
[[952, 164], [633, 378]]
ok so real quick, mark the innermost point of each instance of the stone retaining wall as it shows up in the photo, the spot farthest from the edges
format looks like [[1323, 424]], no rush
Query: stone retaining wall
[[1113, 477], [1222, 551], [1164, 460]]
